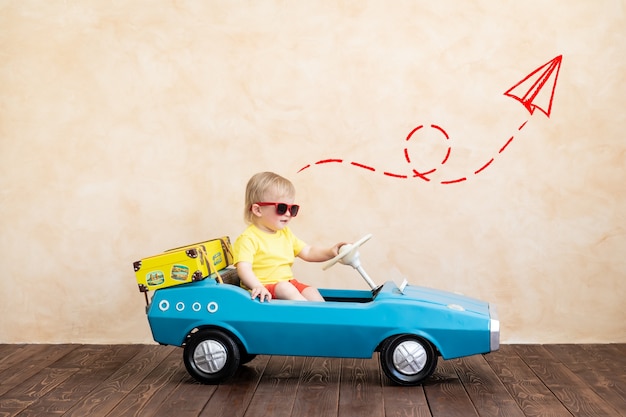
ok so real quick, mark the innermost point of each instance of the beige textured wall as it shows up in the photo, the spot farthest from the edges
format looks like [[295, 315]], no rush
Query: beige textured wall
[[127, 128]]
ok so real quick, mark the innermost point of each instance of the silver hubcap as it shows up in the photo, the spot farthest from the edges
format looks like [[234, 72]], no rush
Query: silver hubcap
[[210, 356], [409, 357]]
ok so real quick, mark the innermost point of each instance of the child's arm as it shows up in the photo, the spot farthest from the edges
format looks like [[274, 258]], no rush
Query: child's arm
[[246, 275], [317, 254]]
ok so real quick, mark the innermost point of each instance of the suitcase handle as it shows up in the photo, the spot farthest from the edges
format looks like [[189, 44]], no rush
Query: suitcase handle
[[212, 267]]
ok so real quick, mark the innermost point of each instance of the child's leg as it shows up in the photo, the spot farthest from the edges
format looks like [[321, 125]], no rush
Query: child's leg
[[308, 292], [285, 290], [312, 294]]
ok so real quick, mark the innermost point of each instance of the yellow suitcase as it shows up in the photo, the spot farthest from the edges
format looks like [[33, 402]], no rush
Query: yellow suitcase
[[171, 268], [185, 264]]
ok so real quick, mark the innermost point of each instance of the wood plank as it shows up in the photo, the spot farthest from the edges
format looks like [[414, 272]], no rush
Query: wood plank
[[602, 356], [107, 395], [530, 393], [567, 353], [187, 399], [405, 401], [589, 356], [19, 357], [26, 393], [98, 363], [603, 377], [360, 388], [276, 391], [484, 388], [609, 357], [8, 354], [233, 397], [611, 353], [446, 394], [318, 391], [567, 387], [146, 398], [29, 361]]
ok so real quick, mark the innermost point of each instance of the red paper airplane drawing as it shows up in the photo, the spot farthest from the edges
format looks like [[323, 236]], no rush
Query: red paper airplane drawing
[[535, 91], [531, 92]]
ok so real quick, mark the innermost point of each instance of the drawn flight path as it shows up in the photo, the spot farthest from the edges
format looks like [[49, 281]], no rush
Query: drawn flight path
[[535, 91]]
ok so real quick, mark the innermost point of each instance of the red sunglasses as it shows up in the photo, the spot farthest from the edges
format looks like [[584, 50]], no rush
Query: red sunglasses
[[282, 208]]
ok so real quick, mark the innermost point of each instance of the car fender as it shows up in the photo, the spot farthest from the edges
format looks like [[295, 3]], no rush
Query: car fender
[[230, 330], [415, 332]]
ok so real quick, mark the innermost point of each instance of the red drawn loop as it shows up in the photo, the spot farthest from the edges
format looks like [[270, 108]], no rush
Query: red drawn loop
[[415, 173], [424, 174]]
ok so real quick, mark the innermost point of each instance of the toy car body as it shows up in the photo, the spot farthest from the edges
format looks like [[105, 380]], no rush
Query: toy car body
[[221, 327]]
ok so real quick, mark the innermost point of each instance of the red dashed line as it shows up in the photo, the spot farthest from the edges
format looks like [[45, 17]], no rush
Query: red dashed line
[[441, 130], [389, 174], [326, 161], [484, 166], [356, 164], [422, 175], [454, 181], [413, 131], [506, 144], [447, 155], [416, 174]]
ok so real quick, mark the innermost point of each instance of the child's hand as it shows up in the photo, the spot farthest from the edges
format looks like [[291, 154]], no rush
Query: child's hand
[[318, 253], [246, 275], [260, 292], [335, 249]]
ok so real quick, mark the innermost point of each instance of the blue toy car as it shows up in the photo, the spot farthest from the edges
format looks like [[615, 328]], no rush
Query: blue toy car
[[221, 328]]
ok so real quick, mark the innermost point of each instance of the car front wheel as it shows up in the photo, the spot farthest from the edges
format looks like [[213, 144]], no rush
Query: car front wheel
[[408, 359], [211, 356]]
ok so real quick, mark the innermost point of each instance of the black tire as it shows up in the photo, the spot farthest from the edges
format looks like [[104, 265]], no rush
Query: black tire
[[211, 356], [408, 359]]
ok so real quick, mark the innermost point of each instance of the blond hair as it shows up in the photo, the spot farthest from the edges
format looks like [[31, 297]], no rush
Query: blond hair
[[260, 185]]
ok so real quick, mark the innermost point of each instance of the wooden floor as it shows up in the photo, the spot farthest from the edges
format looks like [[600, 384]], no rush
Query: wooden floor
[[150, 380]]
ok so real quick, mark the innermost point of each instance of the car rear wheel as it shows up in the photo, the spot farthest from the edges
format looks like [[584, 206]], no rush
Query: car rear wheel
[[211, 356], [408, 359]]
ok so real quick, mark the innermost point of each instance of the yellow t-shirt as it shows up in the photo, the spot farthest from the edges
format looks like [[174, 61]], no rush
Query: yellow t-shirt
[[271, 254]]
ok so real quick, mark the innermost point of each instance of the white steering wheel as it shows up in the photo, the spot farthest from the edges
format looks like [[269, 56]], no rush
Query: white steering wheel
[[348, 254]]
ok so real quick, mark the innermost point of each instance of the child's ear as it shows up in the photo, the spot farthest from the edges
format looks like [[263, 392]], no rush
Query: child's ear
[[256, 210]]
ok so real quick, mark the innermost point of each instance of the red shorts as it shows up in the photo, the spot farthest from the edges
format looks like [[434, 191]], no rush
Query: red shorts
[[299, 286]]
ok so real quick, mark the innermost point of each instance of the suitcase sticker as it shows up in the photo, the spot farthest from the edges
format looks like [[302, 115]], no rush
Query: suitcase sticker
[[155, 278], [180, 272]]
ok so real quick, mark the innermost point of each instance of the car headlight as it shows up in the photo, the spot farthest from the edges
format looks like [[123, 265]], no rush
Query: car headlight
[[494, 328]]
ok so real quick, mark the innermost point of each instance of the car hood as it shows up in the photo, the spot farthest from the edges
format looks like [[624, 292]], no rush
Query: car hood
[[453, 301]]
